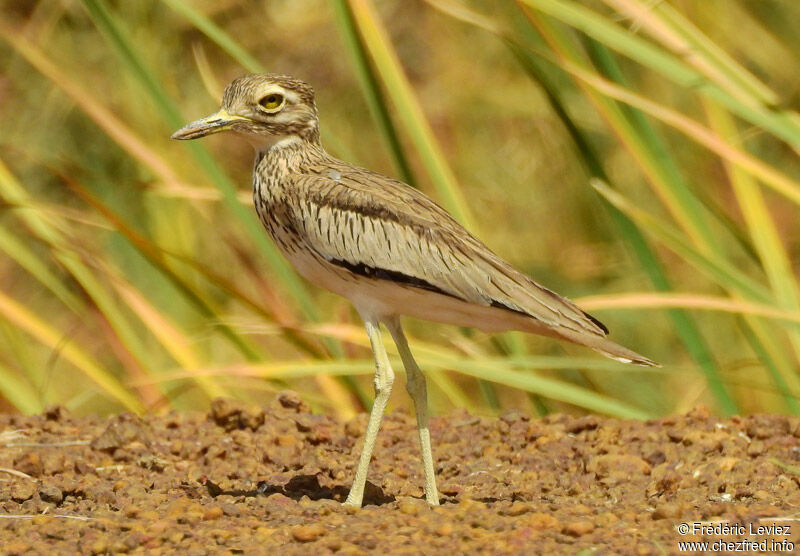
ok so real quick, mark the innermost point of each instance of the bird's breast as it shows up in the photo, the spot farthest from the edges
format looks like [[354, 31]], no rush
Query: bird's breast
[[274, 211]]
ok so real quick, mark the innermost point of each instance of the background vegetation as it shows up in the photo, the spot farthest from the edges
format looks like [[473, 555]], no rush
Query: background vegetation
[[640, 156]]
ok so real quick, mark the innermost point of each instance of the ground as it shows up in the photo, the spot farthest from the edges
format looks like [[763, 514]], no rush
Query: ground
[[256, 480]]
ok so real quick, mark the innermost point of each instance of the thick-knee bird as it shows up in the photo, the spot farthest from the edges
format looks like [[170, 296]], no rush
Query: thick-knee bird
[[382, 244]]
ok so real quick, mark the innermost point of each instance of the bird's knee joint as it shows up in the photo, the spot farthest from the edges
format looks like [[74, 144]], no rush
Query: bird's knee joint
[[384, 382], [414, 385], [415, 382]]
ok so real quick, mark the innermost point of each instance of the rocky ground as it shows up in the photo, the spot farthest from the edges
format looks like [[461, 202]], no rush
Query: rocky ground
[[270, 480]]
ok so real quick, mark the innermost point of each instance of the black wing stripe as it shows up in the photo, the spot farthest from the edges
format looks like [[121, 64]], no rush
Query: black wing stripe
[[367, 271], [398, 277]]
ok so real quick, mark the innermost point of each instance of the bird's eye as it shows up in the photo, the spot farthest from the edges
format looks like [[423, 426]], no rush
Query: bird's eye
[[271, 101]]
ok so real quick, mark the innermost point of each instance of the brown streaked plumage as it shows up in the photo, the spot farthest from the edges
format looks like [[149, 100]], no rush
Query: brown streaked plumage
[[382, 244]]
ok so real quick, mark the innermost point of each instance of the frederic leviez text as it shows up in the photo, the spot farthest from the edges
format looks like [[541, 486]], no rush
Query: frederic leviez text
[[719, 529], [756, 534]]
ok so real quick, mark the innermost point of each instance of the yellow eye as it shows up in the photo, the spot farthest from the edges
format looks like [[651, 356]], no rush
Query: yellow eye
[[271, 101]]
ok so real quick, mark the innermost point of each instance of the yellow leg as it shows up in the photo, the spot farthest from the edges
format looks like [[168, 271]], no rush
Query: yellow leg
[[415, 384], [384, 378]]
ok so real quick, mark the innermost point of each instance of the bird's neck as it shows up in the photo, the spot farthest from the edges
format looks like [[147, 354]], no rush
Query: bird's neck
[[290, 152], [307, 135], [278, 143]]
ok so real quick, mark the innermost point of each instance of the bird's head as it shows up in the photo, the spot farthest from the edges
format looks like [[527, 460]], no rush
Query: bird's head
[[265, 108]]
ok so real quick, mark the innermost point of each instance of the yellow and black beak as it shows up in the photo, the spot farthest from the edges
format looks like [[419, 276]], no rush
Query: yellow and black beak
[[216, 122]]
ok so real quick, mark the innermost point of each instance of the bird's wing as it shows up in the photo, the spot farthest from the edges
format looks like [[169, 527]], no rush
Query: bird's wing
[[383, 228]]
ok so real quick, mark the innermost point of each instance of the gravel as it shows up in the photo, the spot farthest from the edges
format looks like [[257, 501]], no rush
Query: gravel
[[256, 480]]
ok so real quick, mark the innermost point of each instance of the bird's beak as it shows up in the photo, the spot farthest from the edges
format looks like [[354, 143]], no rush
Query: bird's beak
[[216, 122]]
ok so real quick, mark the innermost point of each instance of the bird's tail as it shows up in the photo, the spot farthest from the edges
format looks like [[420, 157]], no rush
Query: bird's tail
[[608, 348]]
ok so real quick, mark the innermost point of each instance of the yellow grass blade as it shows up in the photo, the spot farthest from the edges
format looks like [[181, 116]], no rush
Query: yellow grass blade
[[167, 333], [769, 176], [758, 219], [18, 315], [13, 247], [678, 34], [99, 114], [409, 110], [646, 300], [19, 392], [485, 370]]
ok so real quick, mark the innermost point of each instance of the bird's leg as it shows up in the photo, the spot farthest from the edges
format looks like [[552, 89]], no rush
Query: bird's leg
[[415, 384], [384, 378]]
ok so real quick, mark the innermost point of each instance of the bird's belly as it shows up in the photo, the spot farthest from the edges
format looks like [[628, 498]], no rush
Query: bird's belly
[[315, 269], [322, 273], [382, 298], [400, 299]]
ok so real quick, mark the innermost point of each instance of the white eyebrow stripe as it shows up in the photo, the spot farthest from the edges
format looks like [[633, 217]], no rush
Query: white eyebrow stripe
[[290, 96], [277, 89]]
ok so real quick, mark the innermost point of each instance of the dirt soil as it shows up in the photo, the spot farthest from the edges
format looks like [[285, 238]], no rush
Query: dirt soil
[[258, 480]]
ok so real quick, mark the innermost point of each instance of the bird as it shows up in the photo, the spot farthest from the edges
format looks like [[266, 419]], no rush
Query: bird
[[384, 245]]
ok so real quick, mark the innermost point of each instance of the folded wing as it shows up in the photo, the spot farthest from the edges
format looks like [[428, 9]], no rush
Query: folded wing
[[395, 232]]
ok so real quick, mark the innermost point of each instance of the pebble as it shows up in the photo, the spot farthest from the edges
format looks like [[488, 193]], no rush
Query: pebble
[[231, 510], [22, 490], [410, 506], [444, 529], [292, 400], [51, 493], [100, 546], [308, 533], [541, 521], [530, 497], [578, 528], [214, 512], [517, 508], [122, 430], [667, 510], [29, 463], [16, 547], [264, 532]]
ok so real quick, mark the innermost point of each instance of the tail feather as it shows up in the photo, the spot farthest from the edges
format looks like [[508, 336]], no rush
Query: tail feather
[[608, 348]]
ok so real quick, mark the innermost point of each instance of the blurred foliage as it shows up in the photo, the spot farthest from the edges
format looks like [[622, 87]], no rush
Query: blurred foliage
[[637, 156]]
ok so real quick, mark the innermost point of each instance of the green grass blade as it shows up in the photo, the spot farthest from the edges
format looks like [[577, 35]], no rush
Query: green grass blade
[[678, 34], [168, 333], [648, 300], [216, 34], [768, 175], [684, 325], [371, 89], [724, 274], [497, 373], [777, 365], [112, 29], [770, 248], [409, 110], [13, 193], [11, 245], [18, 315], [654, 159], [633, 46], [556, 390], [19, 392], [136, 147], [719, 270], [155, 257]]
